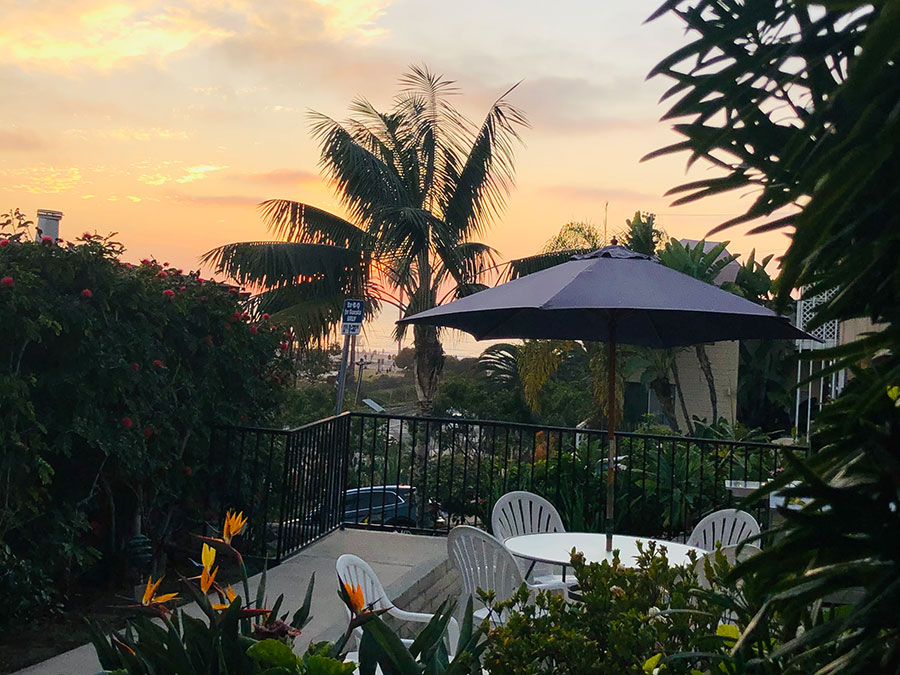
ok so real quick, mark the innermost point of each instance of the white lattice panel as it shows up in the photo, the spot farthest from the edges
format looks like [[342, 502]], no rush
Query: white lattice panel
[[828, 332]]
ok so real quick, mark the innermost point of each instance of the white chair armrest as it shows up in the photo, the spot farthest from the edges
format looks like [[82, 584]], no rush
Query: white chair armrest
[[403, 615]]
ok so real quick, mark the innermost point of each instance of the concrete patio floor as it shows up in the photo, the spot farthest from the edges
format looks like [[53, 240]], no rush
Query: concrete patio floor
[[400, 560]]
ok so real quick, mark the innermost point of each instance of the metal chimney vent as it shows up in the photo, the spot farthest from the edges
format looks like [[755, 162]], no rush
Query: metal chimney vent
[[48, 223]]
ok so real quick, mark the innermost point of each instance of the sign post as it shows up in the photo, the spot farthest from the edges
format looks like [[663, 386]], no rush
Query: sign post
[[351, 323]]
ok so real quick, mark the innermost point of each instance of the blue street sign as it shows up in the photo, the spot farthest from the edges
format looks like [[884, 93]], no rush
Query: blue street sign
[[353, 312]]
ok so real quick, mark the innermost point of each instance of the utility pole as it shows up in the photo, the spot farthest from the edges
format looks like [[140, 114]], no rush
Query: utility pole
[[605, 217], [362, 365], [351, 322]]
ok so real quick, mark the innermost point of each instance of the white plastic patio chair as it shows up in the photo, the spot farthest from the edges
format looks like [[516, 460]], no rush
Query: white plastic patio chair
[[483, 562], [353, 570], [520, 512], [733, 554], [726, 527]]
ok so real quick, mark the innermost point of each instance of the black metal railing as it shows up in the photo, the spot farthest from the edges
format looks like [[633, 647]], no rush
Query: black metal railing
[[455, 469], [427, 475], [289, 483]]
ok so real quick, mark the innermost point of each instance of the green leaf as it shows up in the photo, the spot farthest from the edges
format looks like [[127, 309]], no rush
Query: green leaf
[[302, 615], [271, 653]]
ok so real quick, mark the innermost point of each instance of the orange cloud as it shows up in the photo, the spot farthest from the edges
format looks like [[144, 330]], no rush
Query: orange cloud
[[42, 179], [280, 177]]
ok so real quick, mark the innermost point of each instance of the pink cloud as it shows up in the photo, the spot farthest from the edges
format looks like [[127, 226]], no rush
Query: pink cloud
[[21, 140]]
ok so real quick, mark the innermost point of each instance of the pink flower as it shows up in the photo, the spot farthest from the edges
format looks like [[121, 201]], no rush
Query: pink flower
[[165, 264], [85, 235], [158, 363], [169, 293], [7, 282], [135, 366], [86, 293], [188, 470], [162, 274], [265, 317], [254, 330], [284, 346], [146, 261], [179, 272], [4, 242], [148, 432], [47, 241], [182, 288], [127, 423]]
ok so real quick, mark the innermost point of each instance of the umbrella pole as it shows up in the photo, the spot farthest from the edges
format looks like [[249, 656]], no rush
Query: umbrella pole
[[611, 434]]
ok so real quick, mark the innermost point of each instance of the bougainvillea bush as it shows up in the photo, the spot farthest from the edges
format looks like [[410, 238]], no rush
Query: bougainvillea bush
[[111, 376]]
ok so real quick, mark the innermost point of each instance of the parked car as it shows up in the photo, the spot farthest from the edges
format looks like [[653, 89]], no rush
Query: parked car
[[390, 505], [381, 504]]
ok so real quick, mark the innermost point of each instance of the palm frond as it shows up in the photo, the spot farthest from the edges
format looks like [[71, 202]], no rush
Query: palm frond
[[499, 363], [305, 224], [363, 181], [478, 193], [274, 263], [521, 267]]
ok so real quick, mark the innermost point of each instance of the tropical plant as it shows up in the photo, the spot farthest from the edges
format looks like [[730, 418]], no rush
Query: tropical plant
[[697, 262], [238, 636], [641, 234], [766, 375], [429, 654], [576, 235], [418, 183], [625, 620], [799, 102]]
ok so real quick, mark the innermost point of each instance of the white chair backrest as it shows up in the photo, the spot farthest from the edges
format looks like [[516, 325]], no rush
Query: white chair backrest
[[727, 527], [733, 554], [522, 512], [354, 571], [483, 563]]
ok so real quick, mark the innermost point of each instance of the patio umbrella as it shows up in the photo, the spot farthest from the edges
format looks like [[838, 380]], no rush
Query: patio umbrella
[[612, 295]]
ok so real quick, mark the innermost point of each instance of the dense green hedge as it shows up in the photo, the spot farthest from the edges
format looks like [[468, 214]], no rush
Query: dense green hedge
[[110, 377]]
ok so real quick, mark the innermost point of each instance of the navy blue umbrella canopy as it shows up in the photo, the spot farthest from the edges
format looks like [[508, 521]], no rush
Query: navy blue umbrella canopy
[[649, 304], [612, 295]]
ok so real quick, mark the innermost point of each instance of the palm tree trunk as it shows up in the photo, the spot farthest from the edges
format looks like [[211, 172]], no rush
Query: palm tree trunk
[[706, 367], [678, 390], [428, 365]]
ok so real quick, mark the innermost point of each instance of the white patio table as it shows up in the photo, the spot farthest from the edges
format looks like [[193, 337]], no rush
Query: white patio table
[[555, 548]]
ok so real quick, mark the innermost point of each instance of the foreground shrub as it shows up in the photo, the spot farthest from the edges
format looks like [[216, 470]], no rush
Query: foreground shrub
[[110, 377], [622, 620]]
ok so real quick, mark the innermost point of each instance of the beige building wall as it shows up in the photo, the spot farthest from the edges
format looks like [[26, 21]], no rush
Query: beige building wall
[[724, 358], [852, 329]]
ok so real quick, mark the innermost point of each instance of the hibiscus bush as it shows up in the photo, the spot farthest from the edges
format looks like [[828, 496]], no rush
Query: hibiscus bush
[[111, 377]]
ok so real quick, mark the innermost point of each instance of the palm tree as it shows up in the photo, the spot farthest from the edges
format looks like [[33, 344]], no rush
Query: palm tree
[[704, 265], [418, 183]]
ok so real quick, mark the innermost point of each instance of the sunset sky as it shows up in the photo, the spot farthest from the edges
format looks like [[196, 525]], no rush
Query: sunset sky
[[167, 122]]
